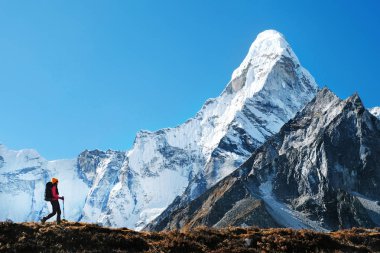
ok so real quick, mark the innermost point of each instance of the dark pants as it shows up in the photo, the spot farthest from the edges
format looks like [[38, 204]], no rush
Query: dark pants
[[56, 210]]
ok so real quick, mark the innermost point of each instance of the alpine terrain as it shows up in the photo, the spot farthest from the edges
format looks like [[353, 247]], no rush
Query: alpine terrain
[[321, 171], [83, 237], [130, 189]]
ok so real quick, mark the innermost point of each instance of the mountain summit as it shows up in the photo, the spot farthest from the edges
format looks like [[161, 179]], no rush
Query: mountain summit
[[268, 44], [132, 188], [264, 92]]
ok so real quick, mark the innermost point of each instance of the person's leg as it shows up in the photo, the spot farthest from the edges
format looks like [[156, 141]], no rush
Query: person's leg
[[52, 214], [58, 210]]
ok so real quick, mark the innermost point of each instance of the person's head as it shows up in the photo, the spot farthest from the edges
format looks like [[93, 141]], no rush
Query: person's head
[[54, 180]]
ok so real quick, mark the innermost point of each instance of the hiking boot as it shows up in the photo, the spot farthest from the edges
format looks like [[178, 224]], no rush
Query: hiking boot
[[43, 220]]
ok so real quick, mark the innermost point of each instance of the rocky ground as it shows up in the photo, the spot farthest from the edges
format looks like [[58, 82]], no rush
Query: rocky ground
[[81, 237]]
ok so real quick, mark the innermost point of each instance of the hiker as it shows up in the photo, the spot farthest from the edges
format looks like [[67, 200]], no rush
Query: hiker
[[52, 195]]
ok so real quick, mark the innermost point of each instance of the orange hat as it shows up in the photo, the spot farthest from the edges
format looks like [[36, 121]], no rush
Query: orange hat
[[54, 180]]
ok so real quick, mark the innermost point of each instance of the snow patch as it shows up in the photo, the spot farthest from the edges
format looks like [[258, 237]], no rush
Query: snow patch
[[147, 216], [375, 111]]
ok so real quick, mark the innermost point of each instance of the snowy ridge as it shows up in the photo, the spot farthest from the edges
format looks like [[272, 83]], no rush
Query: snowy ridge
[[15, 160], [375, 111], [265, 91], [244, 116], [268, 44]]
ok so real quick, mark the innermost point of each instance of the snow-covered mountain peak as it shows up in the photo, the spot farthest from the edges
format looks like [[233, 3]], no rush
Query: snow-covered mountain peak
[[268, 47], [267, 90], [130, 188], [269, 42], [269, 34]]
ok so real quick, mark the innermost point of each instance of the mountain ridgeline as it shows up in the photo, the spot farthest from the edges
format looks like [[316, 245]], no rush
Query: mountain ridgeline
[[131, 188], [267, 89], [228, 165], [321, 171]]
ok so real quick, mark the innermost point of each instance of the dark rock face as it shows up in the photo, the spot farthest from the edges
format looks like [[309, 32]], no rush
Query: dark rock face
[[218, 207], [328, 152], [321, 171], [87, 163]]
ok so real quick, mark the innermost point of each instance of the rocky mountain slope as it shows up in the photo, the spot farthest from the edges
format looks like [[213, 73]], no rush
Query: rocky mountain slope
[[321, 171], [131, 188], [81, 237], [267, 89]]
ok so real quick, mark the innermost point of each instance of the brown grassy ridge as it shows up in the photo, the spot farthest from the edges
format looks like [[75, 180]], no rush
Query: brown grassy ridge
[[82, 237]]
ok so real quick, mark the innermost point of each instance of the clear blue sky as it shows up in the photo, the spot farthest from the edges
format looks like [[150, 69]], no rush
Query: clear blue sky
[[78, 75]]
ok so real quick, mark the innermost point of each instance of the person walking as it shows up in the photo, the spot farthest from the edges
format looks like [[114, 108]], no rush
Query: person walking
[[52, 195]]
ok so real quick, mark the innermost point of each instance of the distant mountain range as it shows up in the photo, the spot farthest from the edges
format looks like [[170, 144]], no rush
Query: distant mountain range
[[318, 172]]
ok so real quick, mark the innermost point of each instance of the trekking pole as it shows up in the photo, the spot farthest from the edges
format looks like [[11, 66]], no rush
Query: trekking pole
[[63, 201]]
